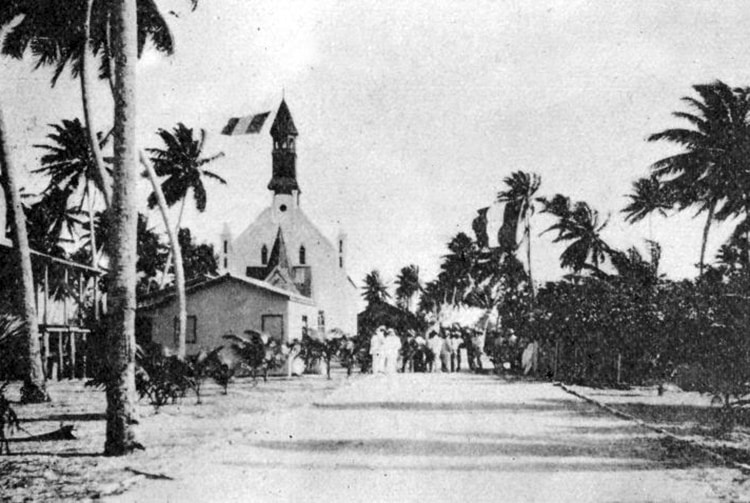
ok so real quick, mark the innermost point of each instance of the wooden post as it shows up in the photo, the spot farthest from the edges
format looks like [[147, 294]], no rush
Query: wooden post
[[80, 298], [45, 357], [84, 359], [619, 367], [46, 293], [60, 349], [65, 296], [73, 355]]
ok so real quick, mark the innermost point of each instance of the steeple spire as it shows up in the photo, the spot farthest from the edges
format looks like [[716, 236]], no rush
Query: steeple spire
[[284, 134]]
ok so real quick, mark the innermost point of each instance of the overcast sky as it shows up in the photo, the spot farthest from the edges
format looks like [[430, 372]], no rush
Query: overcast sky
[[411, 113]]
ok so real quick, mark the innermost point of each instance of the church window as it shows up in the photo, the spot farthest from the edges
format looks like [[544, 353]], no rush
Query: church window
[[282, 207], [264, 255], [341, 262], [341, 246], [226, 246], [302, 255], [225, 263]]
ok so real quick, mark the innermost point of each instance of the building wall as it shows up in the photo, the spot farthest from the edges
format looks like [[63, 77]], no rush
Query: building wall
[[224, 308], [331, 289]]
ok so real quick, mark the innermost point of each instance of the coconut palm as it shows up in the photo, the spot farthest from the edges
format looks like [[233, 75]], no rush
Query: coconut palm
[[579, 224], [69, 37], [121, 413], [648, 197], [375, 289], [408, 285], [715, 152], [71, 168], [34, 386], [520, 192], [182, 163]]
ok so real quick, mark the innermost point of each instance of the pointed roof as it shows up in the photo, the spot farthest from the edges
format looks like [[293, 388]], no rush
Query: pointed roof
[[283, 125], [278, 253]]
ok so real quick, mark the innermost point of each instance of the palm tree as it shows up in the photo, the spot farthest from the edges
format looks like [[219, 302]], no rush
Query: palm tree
[[121, 413], [648, 197], [715, 155], [71, 168], [520, 192], [580, 224], [182, 162], [457, 268], [69, 37], [34, 385], [179, 272], [375, 289], [408, 285]]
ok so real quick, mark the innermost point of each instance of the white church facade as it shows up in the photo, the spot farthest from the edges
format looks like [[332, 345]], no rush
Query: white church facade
[[280, 275]]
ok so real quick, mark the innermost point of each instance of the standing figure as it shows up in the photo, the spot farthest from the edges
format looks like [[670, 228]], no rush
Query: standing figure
[[435, 345], [376, 350], [445, 353], [392, 347], [477, 342], [455, 343]]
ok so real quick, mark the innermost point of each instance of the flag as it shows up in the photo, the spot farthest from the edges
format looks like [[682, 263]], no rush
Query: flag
[[245, 125], [497, 226]]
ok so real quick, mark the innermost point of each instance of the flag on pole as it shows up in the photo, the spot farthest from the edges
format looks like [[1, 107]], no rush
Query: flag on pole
[[249, 124]]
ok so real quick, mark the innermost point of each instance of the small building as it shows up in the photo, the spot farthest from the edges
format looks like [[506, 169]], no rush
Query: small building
[[225, 305]]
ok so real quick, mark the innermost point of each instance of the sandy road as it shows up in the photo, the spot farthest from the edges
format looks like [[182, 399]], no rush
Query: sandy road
[[429, 438]]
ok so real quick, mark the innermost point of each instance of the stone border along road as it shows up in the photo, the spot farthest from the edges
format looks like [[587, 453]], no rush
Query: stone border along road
[[442, 437]]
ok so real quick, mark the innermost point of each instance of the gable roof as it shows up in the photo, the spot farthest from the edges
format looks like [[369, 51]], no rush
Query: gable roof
[[160, 298]]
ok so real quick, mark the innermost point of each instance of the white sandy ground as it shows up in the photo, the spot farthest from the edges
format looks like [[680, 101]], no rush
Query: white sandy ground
[[444, 437]]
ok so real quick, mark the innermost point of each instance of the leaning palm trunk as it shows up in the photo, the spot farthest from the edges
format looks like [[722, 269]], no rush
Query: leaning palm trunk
[[177, 231], [706, 228], [179, 275], [528, 256], [85, 99], [121, 414], [34, 386]]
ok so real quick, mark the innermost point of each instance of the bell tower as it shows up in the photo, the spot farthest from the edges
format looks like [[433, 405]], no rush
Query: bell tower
[[284, 179]]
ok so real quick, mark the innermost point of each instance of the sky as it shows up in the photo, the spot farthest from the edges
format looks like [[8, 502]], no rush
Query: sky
[[410, 114]]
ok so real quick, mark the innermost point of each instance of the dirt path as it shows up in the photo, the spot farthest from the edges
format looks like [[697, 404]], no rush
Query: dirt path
[[455, 437]]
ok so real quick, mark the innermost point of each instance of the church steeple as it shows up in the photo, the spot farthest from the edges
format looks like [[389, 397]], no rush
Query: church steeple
[[284, 134]]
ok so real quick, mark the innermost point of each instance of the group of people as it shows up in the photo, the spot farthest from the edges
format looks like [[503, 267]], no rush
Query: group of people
[[385, 347], [441, 350]]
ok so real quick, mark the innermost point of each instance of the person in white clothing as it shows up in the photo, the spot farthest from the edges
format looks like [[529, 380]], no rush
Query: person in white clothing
[[376, 350], [391, 348], [435, 345]]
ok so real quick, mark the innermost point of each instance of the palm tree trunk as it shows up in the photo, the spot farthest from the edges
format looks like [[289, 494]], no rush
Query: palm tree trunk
[[177, 232], [93, 141], [92, 233], [528, 256], [121, 413], [179, 275], [706, 228], [34, 386]]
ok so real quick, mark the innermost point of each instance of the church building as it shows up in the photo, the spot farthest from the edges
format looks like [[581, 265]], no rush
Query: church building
[[280, 275], [284, 248]]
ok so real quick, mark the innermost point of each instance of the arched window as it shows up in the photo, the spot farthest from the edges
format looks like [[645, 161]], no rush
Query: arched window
[[302, 255], [264, 255]]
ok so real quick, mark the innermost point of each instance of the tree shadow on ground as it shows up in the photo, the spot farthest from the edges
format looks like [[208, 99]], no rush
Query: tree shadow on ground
[[619, 452], [486, 406], [66, 417]]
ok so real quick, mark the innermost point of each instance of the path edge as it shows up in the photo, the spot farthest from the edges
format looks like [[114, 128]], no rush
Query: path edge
[[744, 468]]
